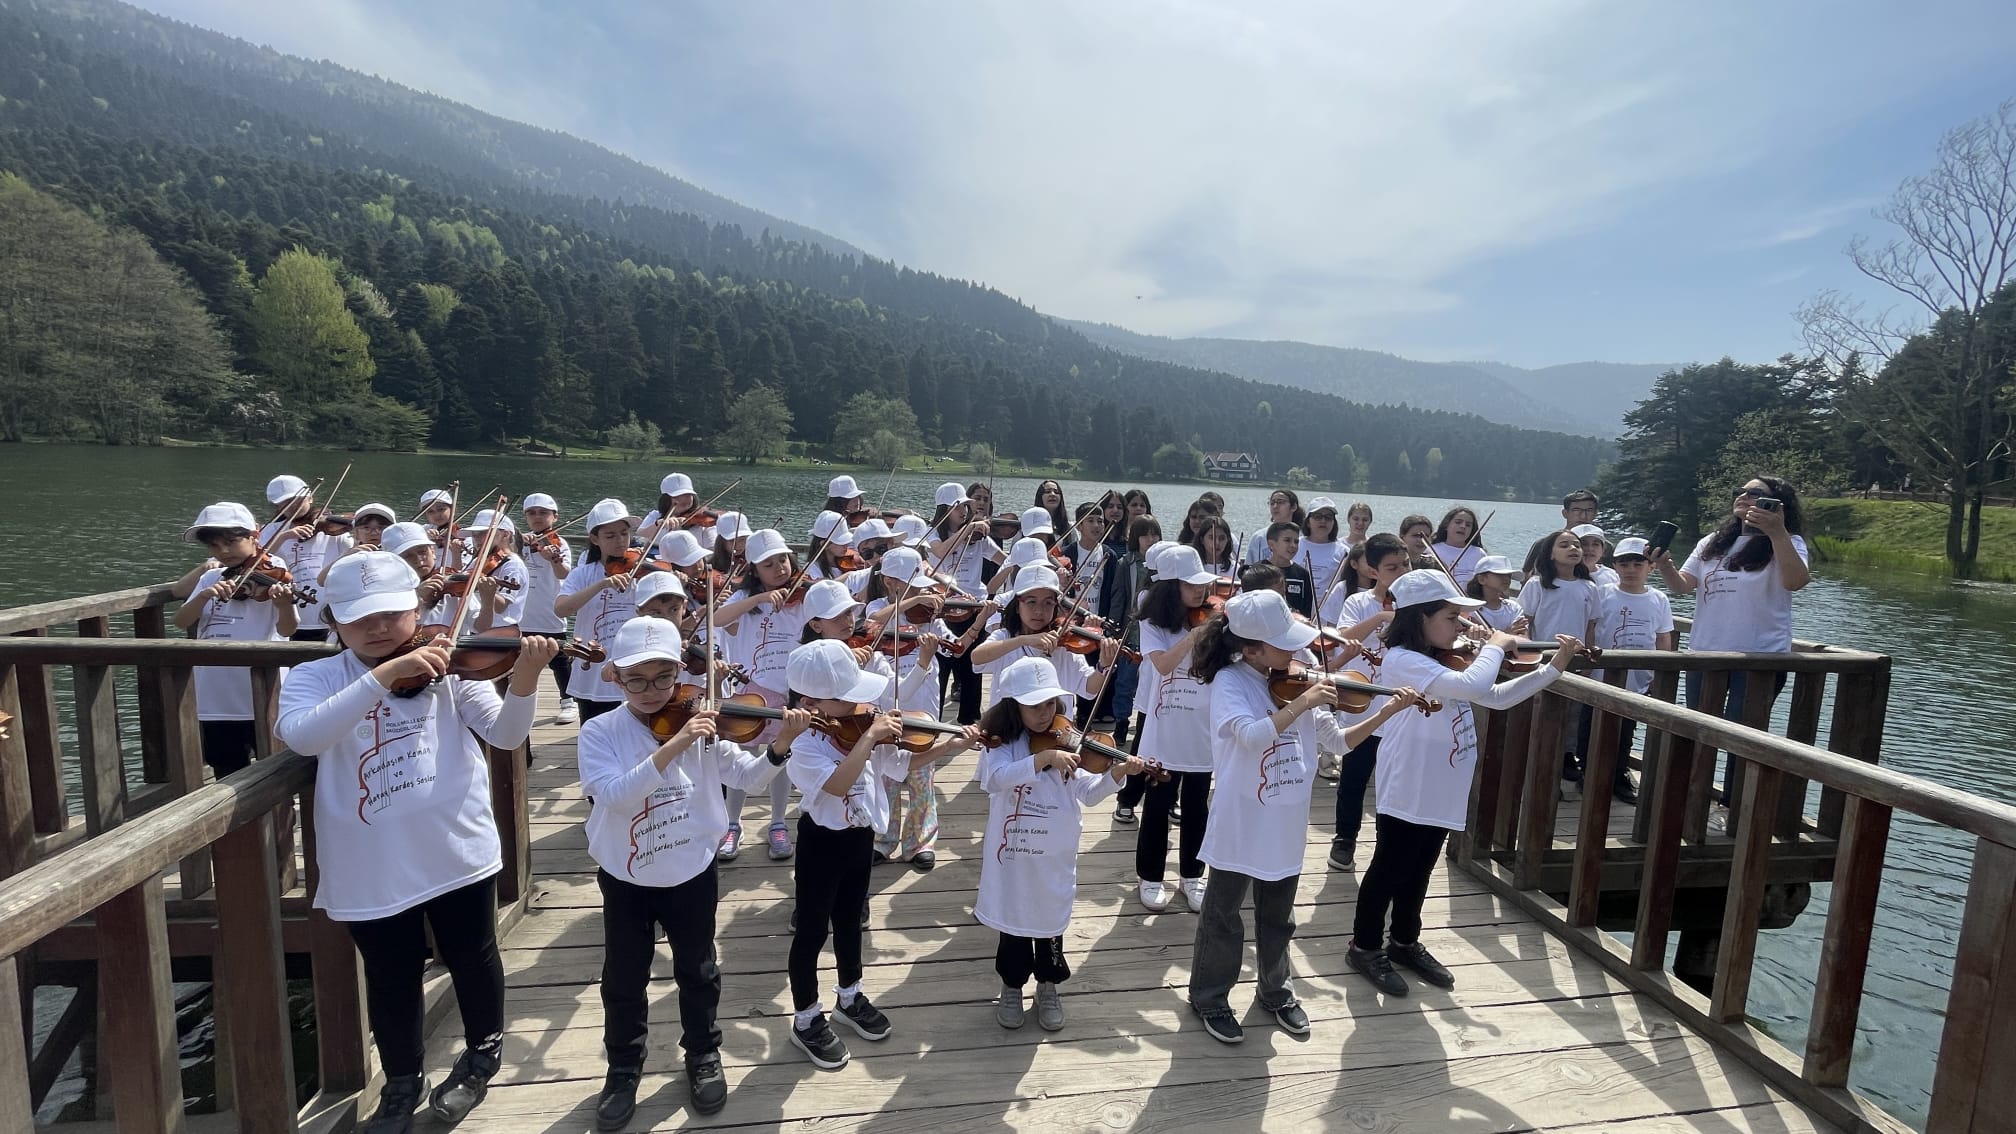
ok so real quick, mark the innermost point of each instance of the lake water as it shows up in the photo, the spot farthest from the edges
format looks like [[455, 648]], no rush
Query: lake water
[[93, 519]]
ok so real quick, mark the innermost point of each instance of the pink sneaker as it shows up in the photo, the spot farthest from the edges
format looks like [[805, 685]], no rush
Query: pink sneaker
[[730, 844], [780, 840]]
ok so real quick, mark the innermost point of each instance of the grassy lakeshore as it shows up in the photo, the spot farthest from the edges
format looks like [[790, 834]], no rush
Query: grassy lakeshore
[[1909, 536]]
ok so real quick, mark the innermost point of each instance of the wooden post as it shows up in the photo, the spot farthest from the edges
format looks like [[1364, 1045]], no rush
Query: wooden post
[[1802, 723], [340, 1034], [1860, 702], [183, 752], [250, 990], [17, 1106], [150, 622], [17, 807], [37, 722], [514, 825], [265, 709], [1592, 835], [1757, 695], [1665, 687], [1749, 874], [1701, 782], [99, 760], [1541, 788], [1484, 800], [1662, 853], [1844, 950], [1511, 776], [137, 1050], [1973, 1088]]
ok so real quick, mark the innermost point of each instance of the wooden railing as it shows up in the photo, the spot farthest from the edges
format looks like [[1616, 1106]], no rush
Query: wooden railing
[[1770, 786]]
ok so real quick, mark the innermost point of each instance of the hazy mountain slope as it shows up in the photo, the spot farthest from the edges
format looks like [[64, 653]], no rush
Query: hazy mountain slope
[[1607, 390]]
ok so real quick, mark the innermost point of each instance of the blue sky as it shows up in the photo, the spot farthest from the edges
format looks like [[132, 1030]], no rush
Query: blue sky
[[1535, 182]]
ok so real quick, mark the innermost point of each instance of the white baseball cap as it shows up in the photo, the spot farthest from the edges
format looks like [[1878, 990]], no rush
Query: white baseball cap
[[680, 547], [1417, 587], [1036, 578], [912, 530], [948, 494], [370, 582], [1263, 616], [1584, 531], [731, 525], [829, 598], [1184, 565], [1036, 521], [826, 669], [832, 527], [401, 538], [1495, 565], [904, 565], [644, 638], [1633, 546], [1031, 681], [1319, 504], [1023, 552], [1156, 552], [539, 500], [875, 527], [223, 515], [766, 544], [489, 518], [281, 489], [843, 487], [435, 496], [676, 484], [608, 511], [653, 584], [375, 510]]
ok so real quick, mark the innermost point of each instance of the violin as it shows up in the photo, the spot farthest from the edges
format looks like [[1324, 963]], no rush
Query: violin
[[1354, 690], [743, 717], [1524, 657], [534, 543], [1004, 527], [1213, 604], [695, 660], [633, 563], [957, 612], [257, 576], [857, 517], [847, 559], [1096, 752], [1329, 639], [458, 582], [481, 657], [698, 517], [335, 523], [898, 642], [1078, 638]]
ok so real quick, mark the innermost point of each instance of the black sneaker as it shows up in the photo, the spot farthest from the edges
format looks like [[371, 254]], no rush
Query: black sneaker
[[1222, 1025], [1343, 855], [1625, 791], [1418, 958], [618, 1100], [1292, 1019], [820, 1045], [1377, 967], [396, 1103], [865, 1018], [923, 861], [465, 1086], [1124, 816], [708, 1085], [879, 859]]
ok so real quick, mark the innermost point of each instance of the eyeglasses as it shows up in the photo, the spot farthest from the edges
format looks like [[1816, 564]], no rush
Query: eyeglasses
[[1747, 491], [646, 684]]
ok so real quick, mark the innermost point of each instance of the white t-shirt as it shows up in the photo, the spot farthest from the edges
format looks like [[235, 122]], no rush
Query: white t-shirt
[[1029, 863], [306, 558], [224, 692], [402, 801], [1565, 608], [761, 641], [1345, 611], [1426, 761], [1461, 561], [541, 588], [1322, 560], [513, 613], [813, 761], [702, 532], [918, 692], [657, 828], [598, 622], [1740, 610], [1508, 612], [1088, 576], [1073, 671], [1259, 822], [1603, 576], [1256, 547], [1634, 622], [965, 564], [1177, 731]]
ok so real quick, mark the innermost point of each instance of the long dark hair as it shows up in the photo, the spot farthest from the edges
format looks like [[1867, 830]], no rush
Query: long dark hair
[[1188, 536], [1011, 616], [752, 578], [1217, 523], [1442, 529], [1138, 526], [1409, 628], [1164, 605], [1003, 722], [1758, 553], [941, 523], [1057, 512], [1131, 495], [1543, 565], [1294, 505], [1215, 647]]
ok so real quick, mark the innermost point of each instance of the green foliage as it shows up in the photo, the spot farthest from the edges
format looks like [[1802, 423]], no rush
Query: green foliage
[[1299, 477], [887, 449], [758, 423], [1184, 460], [307, 342], [371, 422], [1783, 442], [636, 441], [981, 456], [865, 416], [1908, 535]]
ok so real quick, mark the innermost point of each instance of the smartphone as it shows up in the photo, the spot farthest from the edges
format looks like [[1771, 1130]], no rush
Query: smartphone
[[1769, 503], [1662, 536]]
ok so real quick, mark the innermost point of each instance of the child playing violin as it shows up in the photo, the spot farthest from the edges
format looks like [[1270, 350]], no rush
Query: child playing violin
[[232, 602], [1563, 598], [912, 834], [405, 836], [502, 587], [1322, 552], [1492, 582], [959, 541], [305, 547], [549, 558], [760, 626], [437, 514], [844, 805], [655, 815], [833, 548], [1029, 864], [676, 511], [731, 542], [598, 595], [1263, 757], [843, 497], [1283, 542], [1174, 732], [1360, 616], [1428, 764], [409, 542], [833, 614], [1030, 627]]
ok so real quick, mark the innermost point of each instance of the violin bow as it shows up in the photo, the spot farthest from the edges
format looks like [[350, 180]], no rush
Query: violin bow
[[482, 556], [707, 699], [710, 502], [271, 541], [448, 541], [329, 505]]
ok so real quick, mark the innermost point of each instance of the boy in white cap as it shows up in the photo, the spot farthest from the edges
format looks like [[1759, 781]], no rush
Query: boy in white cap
[[405, 836], [436, 513], [1427, 763], [655, 814], [759, 628], [1264, 761], [1029, 865], [502, 591], [549, 558], [844, 805], [600, 601], [232, 608], [305, 547], [1634, 617]]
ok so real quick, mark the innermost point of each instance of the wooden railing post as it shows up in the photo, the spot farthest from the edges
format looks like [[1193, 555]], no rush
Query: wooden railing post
[[1542, 786], [1802, 723], [1662, 853], [17, 806], [341, 1037], [1860, 703], [1511, 776], [1973, 1088], [1749, 874], [514, 823], [182, 741], [152, 701], [37, 722], [1714, 686], [1844, 950], [17, 1104], [1600, 767], [250, 989], [1666, 688], [137, 1050]]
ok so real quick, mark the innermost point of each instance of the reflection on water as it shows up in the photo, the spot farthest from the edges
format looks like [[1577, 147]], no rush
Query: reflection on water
[[91, 519]]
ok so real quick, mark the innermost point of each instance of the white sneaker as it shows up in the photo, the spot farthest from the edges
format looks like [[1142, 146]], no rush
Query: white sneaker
[[1193, 894], [570, 712], [1154, 896]]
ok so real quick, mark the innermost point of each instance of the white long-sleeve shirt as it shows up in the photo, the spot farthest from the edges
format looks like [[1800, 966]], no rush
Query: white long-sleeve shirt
[[1029, 863], [654, 828], [1259, 823], [402, 798]]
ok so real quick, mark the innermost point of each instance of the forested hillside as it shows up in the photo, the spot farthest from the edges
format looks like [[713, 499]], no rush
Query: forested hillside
[[493, 313]]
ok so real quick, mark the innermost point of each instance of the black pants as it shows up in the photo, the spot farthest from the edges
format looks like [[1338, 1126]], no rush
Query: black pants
[[1019, 958], [395, 954], [560, 667], [309, 634], [1151, 853], [592, 709], [956, 671], [228, 746], [1136, 786], [1354, 775], [632, 916], [1403, 860], [832, 882]]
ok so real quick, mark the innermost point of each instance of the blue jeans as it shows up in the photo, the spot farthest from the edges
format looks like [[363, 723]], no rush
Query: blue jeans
[[1122, 681], [1731, 709]]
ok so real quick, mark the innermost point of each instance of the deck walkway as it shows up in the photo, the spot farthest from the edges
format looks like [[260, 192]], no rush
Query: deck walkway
[[1535, 1036]]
